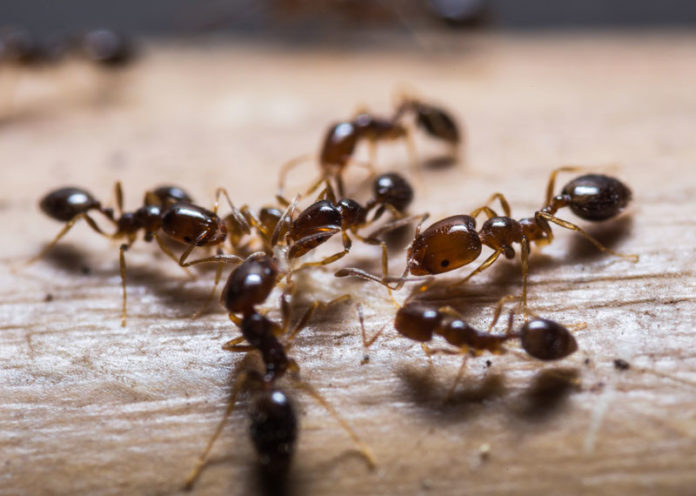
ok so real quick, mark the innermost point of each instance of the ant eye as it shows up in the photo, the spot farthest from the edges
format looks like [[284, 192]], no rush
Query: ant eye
[[444, 263], [187, 239]]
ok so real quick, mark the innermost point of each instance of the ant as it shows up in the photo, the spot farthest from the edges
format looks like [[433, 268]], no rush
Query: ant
[[453, 242], [342, 138], [167, 209], [326, 217], [542, 339], [274, 421]]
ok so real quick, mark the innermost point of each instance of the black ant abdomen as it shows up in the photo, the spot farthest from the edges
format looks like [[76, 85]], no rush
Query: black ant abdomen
[[596, 197], [249, 284], [547, 340], [273, 429], [65, 204]]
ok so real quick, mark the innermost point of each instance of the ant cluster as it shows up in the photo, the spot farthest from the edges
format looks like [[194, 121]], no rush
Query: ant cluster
[[268, 247]]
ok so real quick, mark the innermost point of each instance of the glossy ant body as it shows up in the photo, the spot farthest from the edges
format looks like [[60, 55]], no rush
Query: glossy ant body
[[342, 138], [167, 209], [453, 242], [273, 418]]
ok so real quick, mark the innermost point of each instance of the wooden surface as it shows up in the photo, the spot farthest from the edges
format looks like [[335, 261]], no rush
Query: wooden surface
[[90, 407]]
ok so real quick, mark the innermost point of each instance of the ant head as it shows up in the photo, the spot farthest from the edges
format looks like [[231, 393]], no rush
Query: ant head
[[273, 429], [393, 189], [249, 284], [269, 218], [417, 321], [437, 122], [597, 197], [446, 245], [547, 340]]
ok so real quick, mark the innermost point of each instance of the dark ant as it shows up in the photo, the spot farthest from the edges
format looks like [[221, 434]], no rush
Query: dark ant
[[542, 339], [107, 48], [273, 419], [167, 209], [343, 137], [454, 242], [435, 121], [326, 217]]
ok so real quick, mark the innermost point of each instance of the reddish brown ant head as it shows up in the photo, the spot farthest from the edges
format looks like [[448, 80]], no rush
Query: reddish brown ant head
[[339, 145], [445, 245], [597, 197], [249, 284], [417, 321]]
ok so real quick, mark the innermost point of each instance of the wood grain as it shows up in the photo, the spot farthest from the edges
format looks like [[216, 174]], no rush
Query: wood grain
[[90, 407]]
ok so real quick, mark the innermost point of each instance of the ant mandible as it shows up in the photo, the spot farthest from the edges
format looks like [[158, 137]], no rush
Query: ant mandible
[[167, 209], [453, 242]]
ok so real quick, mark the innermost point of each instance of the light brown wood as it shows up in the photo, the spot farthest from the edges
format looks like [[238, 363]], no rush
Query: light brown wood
[[90, 407]]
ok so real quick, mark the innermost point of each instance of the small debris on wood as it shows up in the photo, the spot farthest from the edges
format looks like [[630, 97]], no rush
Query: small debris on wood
[[620, 364]]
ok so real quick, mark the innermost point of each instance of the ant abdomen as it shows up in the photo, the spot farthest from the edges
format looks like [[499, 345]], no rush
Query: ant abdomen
[[596, 197], [392, 189], [249, 284], [65, 204], [313, 226], [437, 123], [339, 144], [445, 245], [273, 429], [547, 340]]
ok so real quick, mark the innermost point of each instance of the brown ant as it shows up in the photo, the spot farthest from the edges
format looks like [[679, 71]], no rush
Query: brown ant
[[542, 339], [167, 209], [454, 242], [274, 422], [326, 217], [343, 137]]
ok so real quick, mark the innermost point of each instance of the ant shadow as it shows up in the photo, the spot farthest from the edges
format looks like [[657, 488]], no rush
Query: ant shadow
[[173, 292], [545, 398], [440, 162]]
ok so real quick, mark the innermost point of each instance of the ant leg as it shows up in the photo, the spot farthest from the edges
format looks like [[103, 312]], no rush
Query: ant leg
[[239, 219], [367, 342], [362, 447], [524, 256], [488, 262], [233, 343], [308, 315], [413, 162], [573, 227], [394, 224], [171, 255], [499, 309], [457, 378], [288, 166], [221, 258], [203, 458], [63, 232], [490, 213], [218, 275], [118, 194], [122, 262], [330, 259]]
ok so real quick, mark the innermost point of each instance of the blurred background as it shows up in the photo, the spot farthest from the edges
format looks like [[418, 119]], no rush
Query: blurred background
[[310, 19]]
